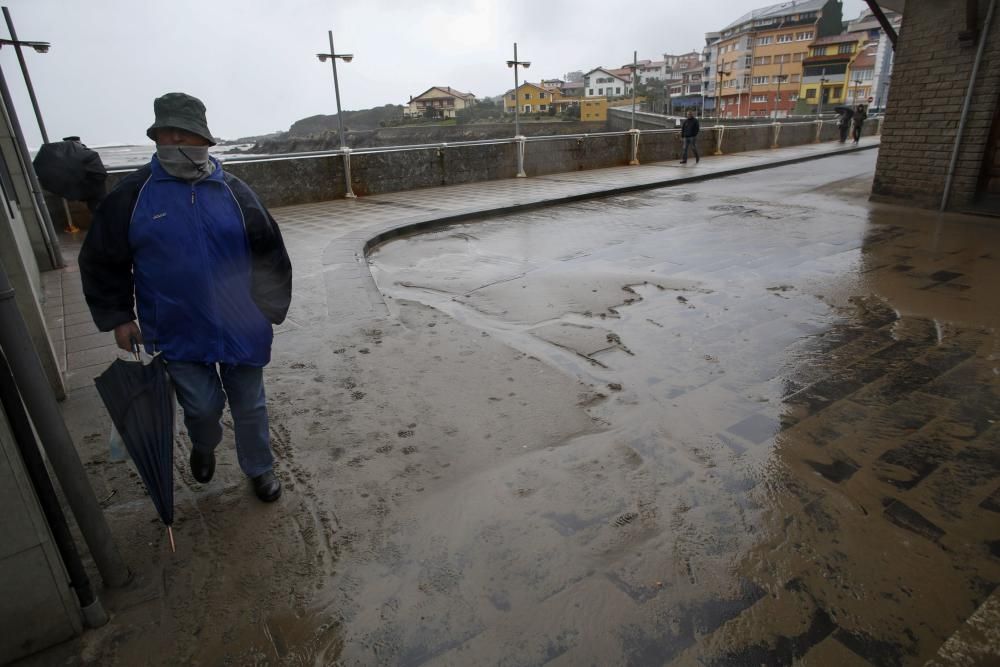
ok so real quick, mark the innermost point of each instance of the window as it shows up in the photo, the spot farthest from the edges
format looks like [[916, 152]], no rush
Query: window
[[764, 41], [837, 92], [590, 91], [618, 90], [784, 39], [810, 93], [863, 74], [527, 108], [803, 36], [541, 96], [793, 97], [846, 48], [542, 107], [759, 98], [797, 57], [761, 80], [762, 60], [527, 96], [795, 78]]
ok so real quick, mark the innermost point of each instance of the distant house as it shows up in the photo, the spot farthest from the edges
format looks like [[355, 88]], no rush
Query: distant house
[[593, 110], [603, 82], [573, 88], [552, 83], [438, 102], [533, 98]]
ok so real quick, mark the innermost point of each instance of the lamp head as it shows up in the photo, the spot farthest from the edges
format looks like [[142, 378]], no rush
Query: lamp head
[[41, 47], [526, 65], [347, 57], [510, 63], [322, 57]]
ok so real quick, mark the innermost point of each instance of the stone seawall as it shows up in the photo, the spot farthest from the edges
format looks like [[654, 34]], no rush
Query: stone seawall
[[302, 180]]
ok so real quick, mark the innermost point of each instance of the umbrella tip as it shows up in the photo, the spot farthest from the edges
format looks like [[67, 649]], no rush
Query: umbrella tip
[[170, 534]]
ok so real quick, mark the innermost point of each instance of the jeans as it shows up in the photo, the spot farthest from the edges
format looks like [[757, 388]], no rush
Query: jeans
[[202, 391], [693, 143]]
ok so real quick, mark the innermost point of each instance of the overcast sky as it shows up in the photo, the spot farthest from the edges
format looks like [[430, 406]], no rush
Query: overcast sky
[[253, 61]]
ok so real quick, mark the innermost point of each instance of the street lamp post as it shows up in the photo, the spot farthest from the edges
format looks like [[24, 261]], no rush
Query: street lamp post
[[857, 84], [333, 56], [633, 67], [721, 71], [777, 96], [822, 82], [514, 64], [48, 229]]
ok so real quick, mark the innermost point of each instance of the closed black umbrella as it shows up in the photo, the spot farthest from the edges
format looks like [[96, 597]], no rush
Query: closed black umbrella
[[71, 170], [140, 400]]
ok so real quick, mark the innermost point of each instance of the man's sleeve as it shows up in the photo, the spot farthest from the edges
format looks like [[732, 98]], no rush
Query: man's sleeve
[[106, 259], [271, 279]]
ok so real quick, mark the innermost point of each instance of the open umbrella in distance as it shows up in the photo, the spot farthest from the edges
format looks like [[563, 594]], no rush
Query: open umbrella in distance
[[140, 400]]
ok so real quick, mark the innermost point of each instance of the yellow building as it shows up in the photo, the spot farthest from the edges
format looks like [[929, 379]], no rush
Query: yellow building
[[825, 73], [594, 109], [532, 98], [776, 71]]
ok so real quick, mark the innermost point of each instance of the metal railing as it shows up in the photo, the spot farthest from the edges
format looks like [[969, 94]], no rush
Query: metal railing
[[520, 142]]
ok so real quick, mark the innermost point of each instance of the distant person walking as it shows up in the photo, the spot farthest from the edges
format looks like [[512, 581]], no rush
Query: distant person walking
[[859, 121], [844, 117], [689, 133], [192, 249]]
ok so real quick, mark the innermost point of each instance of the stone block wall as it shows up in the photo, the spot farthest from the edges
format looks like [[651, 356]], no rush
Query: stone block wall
[[929, 82]]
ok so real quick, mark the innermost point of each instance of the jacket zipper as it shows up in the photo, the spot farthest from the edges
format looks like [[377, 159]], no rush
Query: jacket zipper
[[212, 286]]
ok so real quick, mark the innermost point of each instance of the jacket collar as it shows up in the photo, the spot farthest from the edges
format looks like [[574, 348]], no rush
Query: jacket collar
[[160, 174]]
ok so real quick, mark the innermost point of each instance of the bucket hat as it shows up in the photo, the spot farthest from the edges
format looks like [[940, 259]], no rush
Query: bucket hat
[[182, 111]]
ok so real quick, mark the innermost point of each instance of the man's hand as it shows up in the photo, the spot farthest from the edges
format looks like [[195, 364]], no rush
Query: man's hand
[[124, 333]]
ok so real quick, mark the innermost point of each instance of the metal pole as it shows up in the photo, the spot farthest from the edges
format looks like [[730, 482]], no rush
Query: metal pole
[[30, 377], [348, 192], [517, 102], [965, 106], [635, 66], [24, 71], [822, 81], [48, 231]]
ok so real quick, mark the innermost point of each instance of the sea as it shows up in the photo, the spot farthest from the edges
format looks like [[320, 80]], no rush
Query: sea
[[123, 156]]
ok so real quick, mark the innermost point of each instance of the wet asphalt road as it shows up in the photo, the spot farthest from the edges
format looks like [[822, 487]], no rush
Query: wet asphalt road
[[795, 453]]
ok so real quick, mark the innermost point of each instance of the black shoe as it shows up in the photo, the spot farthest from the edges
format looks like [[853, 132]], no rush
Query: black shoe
[[202, 465], [697, 160], [267, 487], [684, 161]]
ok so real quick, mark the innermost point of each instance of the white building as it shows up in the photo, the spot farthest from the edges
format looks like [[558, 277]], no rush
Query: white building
[[603, 82]]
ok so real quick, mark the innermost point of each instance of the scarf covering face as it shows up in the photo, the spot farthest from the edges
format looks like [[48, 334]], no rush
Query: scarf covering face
[[188, 163]]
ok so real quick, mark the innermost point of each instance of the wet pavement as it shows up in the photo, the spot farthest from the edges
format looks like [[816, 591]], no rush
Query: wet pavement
[[740, 422]]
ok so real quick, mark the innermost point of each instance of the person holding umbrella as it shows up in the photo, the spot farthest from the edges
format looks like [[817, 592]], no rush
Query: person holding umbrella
[[210, 276], [846, 114]]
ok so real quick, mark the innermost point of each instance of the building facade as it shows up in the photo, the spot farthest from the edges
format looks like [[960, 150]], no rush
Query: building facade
[[607, 83], [438, 102], [533, 98], [825, 73]]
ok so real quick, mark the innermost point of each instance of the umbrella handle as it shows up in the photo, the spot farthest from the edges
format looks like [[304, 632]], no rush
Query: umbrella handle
[[135, 347]]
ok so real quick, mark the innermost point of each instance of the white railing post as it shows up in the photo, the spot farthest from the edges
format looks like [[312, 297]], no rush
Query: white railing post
[[348, 192], [777, 131], [520, 155], [719, 131], [635, 146], [819, 130]]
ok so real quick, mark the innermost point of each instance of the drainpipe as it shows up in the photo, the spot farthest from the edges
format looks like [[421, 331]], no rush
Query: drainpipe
[[41, 405], [93, 612], [965, 106]]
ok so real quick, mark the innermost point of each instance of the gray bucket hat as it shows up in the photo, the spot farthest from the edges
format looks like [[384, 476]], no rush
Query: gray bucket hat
[[181, 111]]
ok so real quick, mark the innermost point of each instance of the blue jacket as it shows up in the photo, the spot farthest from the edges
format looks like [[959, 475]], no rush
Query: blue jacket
[[206, 263]]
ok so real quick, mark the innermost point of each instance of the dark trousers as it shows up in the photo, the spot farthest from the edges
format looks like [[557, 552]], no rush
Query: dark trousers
[[202, 390], [693, 143], [857, 133], [845, 129]]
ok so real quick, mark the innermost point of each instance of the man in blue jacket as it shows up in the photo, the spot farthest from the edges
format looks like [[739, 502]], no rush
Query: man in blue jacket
[[209, 273]]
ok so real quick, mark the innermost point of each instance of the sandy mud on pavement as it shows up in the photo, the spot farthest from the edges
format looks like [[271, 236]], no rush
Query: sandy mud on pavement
[[749, 421], [798, 454]]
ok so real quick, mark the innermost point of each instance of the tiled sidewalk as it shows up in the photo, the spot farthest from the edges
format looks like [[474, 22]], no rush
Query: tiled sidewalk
[[327, 240]]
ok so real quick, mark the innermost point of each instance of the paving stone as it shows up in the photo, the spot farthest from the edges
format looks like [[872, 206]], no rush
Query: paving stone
[[906, 517]]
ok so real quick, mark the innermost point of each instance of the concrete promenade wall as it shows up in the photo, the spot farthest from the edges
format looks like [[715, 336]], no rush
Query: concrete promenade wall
[[301, 180]]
